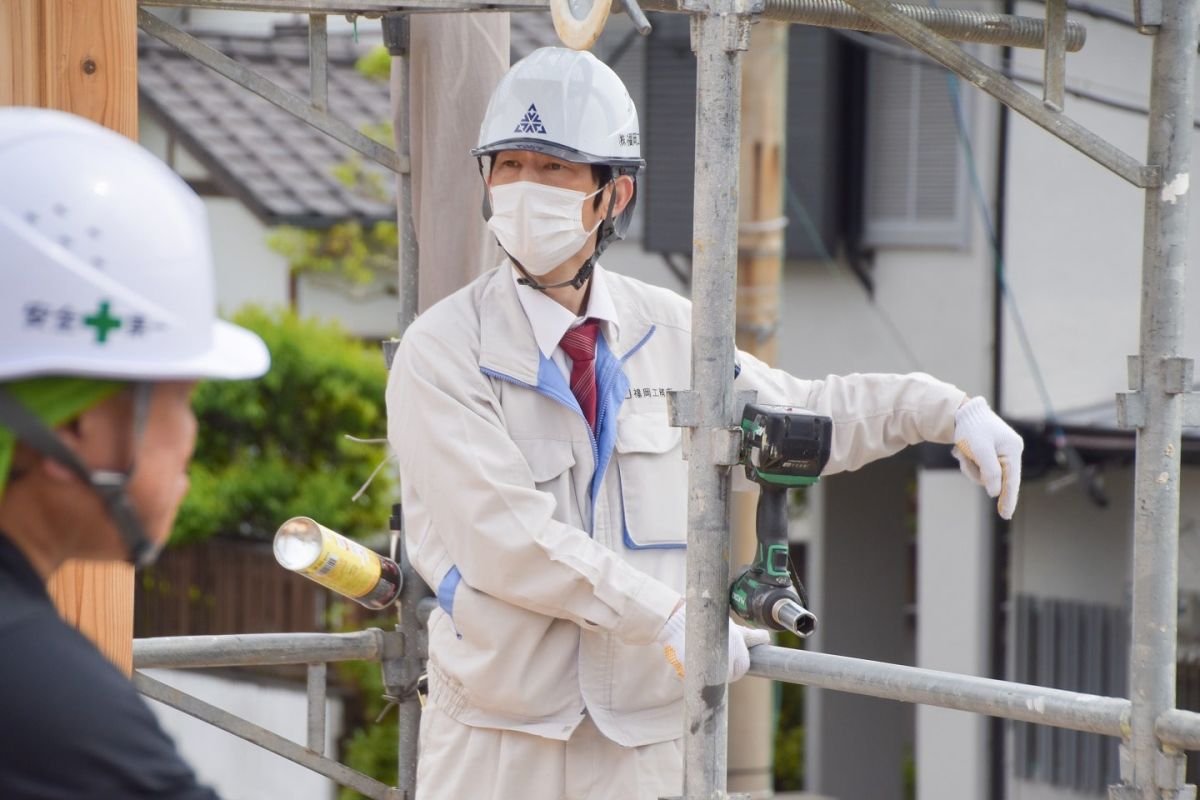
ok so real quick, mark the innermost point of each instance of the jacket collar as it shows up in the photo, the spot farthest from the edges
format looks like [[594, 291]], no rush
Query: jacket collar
[[506, 341]]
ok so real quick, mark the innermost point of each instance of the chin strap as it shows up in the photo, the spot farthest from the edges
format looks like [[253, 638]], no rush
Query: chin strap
[[110, 485], [605, 235], [581, 277]]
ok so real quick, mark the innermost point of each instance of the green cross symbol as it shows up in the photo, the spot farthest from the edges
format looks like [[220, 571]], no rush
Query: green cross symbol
[[103, 322]]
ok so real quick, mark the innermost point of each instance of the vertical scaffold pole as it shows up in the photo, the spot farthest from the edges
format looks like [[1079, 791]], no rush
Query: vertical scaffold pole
[[396, 33], [1161, 379], [719, 33]]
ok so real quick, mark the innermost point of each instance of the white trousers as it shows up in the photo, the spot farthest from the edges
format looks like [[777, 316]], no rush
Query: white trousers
[[460, 762]]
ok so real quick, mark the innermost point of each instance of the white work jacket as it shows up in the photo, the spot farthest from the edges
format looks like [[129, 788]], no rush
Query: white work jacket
[[557, 554]]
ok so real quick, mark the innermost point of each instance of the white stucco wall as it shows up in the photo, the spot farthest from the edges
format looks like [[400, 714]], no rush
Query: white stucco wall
[[236, 769], [247, 270], [1074, 242], [954, 557]]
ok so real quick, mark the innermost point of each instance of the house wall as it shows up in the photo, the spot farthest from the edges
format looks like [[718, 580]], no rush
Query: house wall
[[1066, 547], [1074, 242], [1074, 253], [930, 312], [858, 746]]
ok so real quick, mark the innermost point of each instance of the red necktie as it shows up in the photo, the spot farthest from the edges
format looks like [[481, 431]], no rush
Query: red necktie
[[579, 343]]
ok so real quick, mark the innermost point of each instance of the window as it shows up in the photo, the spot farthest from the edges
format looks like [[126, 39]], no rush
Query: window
[[1079, 647], [915, 186]]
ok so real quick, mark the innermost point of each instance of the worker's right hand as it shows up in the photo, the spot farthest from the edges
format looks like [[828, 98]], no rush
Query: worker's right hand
[[989, 453], [741, 639]]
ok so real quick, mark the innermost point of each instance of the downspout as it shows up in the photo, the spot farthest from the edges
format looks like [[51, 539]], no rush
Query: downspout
[[1000, 527]]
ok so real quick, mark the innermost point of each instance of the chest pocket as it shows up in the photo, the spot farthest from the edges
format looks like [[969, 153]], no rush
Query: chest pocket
[[653, 482], [550, 461]]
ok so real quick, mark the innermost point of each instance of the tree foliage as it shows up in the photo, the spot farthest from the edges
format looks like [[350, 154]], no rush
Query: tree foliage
[[275, 447]]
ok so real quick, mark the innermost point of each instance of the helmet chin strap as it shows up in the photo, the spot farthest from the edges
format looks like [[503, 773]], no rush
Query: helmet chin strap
[[110, 485], [603, 237]]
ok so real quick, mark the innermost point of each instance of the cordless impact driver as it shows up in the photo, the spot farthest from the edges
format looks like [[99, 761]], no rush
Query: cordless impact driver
[[782, 448]]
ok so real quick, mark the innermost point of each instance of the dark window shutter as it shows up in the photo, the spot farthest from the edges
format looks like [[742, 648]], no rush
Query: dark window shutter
[[814, 182], [1081, 647], [669, 118], [916, 178], [669, 143]]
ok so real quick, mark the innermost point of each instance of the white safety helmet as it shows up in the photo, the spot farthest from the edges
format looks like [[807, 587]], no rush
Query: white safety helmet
[[565, 103], [107, 273], [570, 105], [105, 261]]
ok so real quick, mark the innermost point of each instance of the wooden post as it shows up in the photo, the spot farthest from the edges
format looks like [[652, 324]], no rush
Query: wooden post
[[760, 267], [79, 56]]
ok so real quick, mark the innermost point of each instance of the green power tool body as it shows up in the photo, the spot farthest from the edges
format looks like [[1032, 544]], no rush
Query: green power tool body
[[782, 448]]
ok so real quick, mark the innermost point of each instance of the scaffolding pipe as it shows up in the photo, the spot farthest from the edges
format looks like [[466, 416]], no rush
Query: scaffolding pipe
[[318, 62], [413, 600], [718, 37], [400, 679], [245, 650], [316, 687], [1179, 729], [1018, 701], [980, 27], [396, 33], [1162, 380]]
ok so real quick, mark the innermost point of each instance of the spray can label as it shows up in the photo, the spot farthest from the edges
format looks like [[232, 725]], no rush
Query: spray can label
[[341, 564]]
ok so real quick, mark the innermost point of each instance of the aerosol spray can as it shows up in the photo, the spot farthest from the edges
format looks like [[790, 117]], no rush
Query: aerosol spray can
[[305, 546]]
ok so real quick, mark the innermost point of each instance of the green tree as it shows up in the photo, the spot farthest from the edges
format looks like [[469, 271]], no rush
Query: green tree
[[789, 726], [276, 448]]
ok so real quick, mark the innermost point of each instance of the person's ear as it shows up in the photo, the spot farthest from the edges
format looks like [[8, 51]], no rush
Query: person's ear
[[623, 186], [101, 437]]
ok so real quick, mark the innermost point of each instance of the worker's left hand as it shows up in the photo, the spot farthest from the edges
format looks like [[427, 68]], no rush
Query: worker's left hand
[[741, 639], [989, 453]]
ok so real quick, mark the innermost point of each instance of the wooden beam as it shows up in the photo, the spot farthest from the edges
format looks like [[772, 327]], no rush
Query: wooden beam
[[79, 56]]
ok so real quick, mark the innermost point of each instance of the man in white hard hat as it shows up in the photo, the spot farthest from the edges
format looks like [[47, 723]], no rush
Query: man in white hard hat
[[545, 493], [106, 322]]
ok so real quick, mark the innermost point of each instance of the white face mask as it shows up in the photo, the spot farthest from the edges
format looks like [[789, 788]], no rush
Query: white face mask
[[540, 226]]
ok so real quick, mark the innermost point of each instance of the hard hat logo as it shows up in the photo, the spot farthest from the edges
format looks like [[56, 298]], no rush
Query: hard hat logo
[[531, 122], [103, 322]]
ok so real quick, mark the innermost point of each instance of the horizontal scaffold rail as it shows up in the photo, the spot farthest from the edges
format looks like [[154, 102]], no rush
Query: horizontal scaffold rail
[[1017, 701], [995, 698], [246, 650], [981, 27]]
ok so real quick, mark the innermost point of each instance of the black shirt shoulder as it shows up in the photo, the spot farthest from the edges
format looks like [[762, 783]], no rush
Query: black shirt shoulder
[[73, 727]]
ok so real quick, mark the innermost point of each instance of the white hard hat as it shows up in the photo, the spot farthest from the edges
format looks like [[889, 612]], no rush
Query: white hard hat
[[105, 261], [567, 104]]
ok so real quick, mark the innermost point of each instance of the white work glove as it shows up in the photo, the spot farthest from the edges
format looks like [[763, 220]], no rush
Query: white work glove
[[989, 453], [740, 641]]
